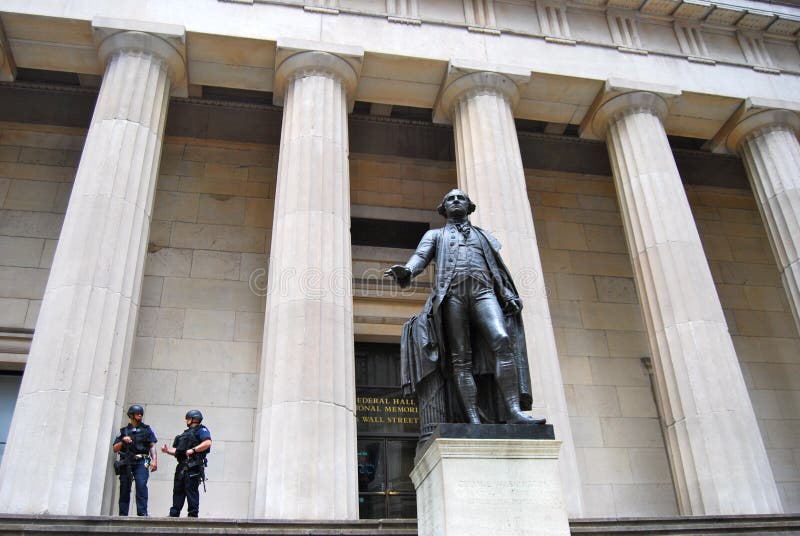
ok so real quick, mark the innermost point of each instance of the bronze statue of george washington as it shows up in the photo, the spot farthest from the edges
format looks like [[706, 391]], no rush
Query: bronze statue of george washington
[[464, 355]]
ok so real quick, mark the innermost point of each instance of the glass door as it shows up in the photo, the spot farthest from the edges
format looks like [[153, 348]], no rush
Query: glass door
[[385, 489]]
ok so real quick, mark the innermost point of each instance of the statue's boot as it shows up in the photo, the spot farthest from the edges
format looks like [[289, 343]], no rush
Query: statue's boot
[[468, 392], [508, 382]]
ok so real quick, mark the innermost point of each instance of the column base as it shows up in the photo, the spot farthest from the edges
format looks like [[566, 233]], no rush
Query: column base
[[490, 482]]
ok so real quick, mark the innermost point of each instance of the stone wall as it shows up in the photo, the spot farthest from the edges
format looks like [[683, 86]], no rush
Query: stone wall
[[200, 325], [199, 333], [37, 167]]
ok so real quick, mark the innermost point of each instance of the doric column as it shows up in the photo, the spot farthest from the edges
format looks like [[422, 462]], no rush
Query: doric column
[[718, 459], [8, 69], [479, 104], [305, 453], [767, 140], [58, 452]]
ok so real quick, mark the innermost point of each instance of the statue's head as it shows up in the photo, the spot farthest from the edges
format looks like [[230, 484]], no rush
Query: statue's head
[[456, 203]]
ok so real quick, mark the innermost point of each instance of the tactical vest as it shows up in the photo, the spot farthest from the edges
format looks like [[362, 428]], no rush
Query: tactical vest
[[185, 441], [140, 439]]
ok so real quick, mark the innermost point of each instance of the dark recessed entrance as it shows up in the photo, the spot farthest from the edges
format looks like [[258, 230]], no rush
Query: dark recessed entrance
[[388, 428]]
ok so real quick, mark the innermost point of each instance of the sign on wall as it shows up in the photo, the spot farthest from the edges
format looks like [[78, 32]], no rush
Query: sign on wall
[[386, 411]]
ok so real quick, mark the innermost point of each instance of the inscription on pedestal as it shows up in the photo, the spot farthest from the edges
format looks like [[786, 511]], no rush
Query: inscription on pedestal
[[492, 486], [501, 504]]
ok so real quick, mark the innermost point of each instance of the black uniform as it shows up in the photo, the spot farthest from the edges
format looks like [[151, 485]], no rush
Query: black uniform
[[190, 470], [134, 465]]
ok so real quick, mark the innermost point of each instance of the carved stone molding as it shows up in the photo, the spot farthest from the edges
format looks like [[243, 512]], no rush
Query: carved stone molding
[[692, 42], [761, 122], [466, 77], [480, 16], [753, 116], [403, 11], [621, 97], [624, 30], [328, 7], [296, 58], [15, 344], [553, 22], [166, 41], [515, 449], [755, 51], [623, 18]]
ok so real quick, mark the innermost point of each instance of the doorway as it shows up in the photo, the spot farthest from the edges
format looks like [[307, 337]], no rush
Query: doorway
[[388, 429]]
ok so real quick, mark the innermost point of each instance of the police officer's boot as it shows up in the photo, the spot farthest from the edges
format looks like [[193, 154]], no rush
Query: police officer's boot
[[465, 385], [508, 382]]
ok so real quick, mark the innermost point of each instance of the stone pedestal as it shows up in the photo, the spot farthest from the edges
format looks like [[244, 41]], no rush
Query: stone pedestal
[[490, 171], [59, 447], [305, 448], [719, 462], [495, 484]]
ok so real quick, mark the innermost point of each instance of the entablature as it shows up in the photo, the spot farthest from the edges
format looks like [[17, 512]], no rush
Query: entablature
[[717, 54]]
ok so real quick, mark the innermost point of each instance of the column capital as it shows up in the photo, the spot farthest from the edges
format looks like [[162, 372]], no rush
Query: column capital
[[167, 41], [621, 97], [8, 69], [470, 78], [295, 58], [755, 115]]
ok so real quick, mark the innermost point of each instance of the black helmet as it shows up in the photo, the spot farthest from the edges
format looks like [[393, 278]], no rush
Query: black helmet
[[135, 409], [194, 414]]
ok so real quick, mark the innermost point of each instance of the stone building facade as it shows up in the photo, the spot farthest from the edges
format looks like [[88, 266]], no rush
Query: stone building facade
[[179, 182]]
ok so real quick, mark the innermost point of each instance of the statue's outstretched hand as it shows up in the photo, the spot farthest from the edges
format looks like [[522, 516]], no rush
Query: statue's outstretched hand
[[401, 275], [512, 306]]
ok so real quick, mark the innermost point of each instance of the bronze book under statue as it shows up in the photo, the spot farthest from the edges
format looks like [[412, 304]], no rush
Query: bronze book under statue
[[464, 355]]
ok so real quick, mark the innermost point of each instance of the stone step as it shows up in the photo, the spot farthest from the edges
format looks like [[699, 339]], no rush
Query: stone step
[[28, 525], [771, 525], [108, 525]]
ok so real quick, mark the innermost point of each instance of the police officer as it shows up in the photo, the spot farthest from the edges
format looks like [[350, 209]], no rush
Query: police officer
[[190, 449], [136, 445]]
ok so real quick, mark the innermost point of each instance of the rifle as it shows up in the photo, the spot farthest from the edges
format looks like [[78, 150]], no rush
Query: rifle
[[198, 464], [128, 459]]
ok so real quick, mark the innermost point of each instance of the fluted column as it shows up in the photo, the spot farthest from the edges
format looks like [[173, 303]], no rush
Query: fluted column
[[490, 171], [58, 451], [718, 459], [8, 69], [767, 141], [305, 459]]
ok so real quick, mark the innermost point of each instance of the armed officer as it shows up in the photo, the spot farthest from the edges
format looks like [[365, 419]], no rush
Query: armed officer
[[190, 448], [136, 446]]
